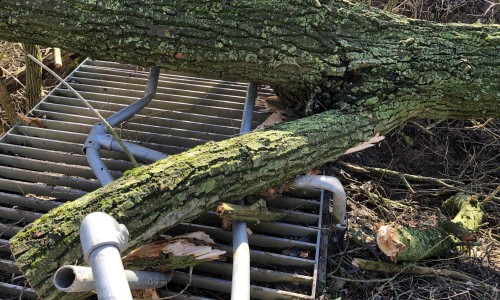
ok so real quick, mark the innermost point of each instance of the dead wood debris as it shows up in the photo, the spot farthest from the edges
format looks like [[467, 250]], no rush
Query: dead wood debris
[[175, 252], [255, 213], [404, 180]]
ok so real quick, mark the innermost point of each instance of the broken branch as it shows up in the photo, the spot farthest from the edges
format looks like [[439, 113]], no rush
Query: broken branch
[[255, 213]]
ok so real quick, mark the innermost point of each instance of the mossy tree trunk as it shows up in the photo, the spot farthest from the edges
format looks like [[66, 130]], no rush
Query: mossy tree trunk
[[34, 87], [154, 198], [373, 69], [336, 54]]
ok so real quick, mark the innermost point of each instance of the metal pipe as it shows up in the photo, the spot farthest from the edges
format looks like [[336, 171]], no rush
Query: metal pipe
[[110, 280], [331, 184], [240, 286], [102, 240], [74, 279], [98, 167], [99, 132], [246, 122], [139, 152], [129, 111]]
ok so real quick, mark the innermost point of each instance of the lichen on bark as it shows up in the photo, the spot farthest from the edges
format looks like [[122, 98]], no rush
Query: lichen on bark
[[373, 69]]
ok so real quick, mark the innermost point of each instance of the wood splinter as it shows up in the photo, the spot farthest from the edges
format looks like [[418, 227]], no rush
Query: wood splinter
[[255, 213], [177, 252]]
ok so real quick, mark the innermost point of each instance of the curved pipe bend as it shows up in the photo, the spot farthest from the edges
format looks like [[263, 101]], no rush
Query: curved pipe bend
[[331, 184]]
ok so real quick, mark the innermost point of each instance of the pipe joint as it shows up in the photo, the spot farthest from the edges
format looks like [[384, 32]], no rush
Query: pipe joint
[[106, 141], [93, 139], [99, 229]]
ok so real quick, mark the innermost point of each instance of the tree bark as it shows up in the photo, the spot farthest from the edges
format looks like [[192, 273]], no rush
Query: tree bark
[[374, 69], [336, 54], [34, 87], [413, 244], [6, 103], [154, 198]]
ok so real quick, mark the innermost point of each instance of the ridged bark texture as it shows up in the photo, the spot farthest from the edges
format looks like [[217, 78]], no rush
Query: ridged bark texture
[[329, 55], [34, 87], [376, 70], [6, 103]]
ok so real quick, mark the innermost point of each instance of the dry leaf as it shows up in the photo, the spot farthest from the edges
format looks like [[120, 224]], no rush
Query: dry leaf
[[270, 194], [145, 294], [274, 118], [35, 122], [24, 118], [178, 55], [260, 101], [314, 172], [304, 254], [226, 224], [371, 142]]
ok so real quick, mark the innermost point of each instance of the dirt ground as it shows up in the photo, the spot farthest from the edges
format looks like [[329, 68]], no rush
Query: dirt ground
[[447, 156], [438, 158]]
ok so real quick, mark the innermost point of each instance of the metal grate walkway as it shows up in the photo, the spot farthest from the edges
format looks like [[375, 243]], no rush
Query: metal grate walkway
[[41, 168]]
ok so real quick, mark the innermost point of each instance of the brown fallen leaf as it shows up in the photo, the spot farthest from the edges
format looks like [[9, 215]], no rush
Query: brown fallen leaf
[[226, 224], [178, 55], [260, 101], [274, 118], [270, 194], [34, 122], [314, 172], [145, 294], [304, 254]]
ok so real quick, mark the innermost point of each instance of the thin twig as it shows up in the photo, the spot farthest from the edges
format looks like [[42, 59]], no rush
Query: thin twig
[[184, 289], [417, 270], [401, 176], [101, 118], [13, 77], [361, 280], [492, 195]]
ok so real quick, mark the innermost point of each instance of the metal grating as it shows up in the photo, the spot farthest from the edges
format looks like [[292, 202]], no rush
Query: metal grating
[[41, 168]]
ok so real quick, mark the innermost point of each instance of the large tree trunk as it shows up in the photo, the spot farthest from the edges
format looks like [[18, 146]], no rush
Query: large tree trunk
[[374, 69], [154, 198], [329, 55]]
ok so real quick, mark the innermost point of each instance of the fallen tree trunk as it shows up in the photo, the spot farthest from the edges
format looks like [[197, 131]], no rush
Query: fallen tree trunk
[[374, 69], [329, 54], [154, 198]]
